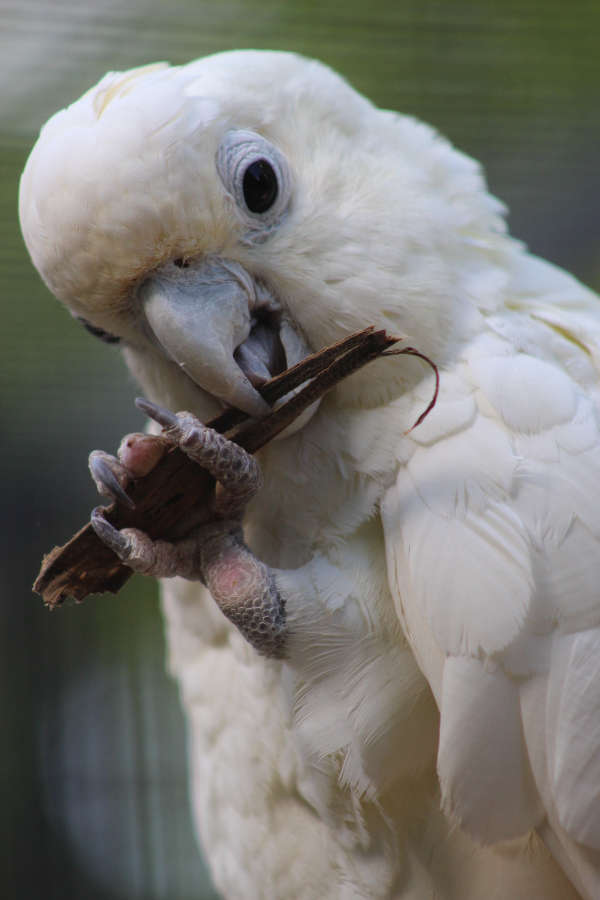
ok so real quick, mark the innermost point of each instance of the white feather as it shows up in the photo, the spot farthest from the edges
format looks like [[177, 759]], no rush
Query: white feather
[[487, 784], [573, 728], [458, 562]]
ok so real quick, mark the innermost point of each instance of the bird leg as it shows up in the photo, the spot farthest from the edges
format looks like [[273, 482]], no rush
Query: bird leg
[[214, 552]]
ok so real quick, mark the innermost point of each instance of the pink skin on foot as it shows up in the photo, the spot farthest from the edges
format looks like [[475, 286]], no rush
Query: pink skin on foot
[[140, 453], [232, 577], [231, 571]]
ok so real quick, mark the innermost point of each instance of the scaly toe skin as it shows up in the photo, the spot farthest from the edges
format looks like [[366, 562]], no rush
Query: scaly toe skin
[[135, 549], [226, 461], [110, 476], [243, 587], [236, 470]]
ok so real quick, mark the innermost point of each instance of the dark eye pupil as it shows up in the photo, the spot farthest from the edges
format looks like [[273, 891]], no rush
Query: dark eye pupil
[[260, 186]]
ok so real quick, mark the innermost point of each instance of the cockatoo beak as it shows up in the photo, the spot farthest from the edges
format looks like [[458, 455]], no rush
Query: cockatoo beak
[[219, 325]]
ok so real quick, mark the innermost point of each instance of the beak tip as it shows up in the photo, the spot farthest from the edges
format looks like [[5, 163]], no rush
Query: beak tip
[[198, 319]]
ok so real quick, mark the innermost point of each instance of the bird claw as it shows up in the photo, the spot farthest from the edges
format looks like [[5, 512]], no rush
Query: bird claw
[[109, 475], [112, 537], [135, 548], [160, 414]]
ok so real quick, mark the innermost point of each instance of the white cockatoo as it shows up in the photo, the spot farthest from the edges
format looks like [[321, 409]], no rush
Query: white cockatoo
[[407, 703]]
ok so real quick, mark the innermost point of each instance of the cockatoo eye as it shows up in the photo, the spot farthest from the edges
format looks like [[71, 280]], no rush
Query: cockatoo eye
[[260, 186], [256, 176]]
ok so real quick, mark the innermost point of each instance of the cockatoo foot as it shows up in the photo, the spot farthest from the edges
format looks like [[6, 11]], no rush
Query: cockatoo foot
[[237, 473], [160, 559], [137, 455], [214, 552]]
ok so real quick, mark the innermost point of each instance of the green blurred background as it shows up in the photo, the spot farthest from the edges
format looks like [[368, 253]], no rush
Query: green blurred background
[[93, 800]]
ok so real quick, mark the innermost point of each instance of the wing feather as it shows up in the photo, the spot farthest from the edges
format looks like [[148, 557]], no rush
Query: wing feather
[[573, 734], [493, 546], [486, 780]]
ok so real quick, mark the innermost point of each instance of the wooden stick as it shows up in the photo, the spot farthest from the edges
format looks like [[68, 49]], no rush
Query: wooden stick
[[166, 496]]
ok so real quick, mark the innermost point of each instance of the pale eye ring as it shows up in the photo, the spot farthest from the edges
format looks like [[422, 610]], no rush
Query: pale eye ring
[[255, 173]]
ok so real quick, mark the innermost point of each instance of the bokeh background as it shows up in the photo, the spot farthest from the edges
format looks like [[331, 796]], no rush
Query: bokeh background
[[93, 800]]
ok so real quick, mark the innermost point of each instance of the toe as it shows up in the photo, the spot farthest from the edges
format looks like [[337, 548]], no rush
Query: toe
[[110, 475], [228, 463], [139, 453], [109, 535], [161, 415], [234, 468]]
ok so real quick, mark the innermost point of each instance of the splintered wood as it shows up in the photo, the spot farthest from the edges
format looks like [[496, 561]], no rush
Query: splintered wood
[[166, 496]]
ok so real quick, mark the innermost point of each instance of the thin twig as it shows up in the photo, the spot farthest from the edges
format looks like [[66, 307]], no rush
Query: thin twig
[[411, 351]]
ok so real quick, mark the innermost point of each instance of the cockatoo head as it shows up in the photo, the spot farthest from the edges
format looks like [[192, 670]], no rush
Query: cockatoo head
[[225, 217]]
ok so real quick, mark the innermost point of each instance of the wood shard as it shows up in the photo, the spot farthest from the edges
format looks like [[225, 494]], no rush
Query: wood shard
[[167, 495]]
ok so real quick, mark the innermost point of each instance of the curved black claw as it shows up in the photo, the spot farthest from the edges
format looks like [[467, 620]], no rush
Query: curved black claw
[[161, 415], [107, 481], [108, 534]]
